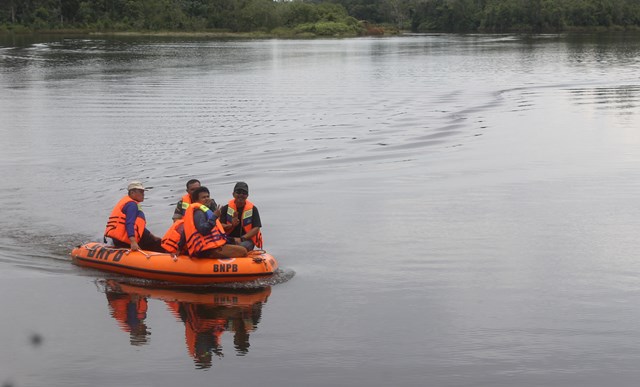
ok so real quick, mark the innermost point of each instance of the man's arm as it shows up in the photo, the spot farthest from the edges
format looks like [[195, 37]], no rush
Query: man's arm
[[228, 227], [131, 214], [256, 224], [253, 232], [204, 224]]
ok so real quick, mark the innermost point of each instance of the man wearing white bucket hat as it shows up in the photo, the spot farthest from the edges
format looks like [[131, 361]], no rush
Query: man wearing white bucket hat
[[127, 225]]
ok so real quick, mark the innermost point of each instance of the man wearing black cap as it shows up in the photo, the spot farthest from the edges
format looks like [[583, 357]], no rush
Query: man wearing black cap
[[241, 219]]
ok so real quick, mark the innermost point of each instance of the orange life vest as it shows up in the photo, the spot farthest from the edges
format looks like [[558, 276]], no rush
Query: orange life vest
[[197, 242], [171, 239], [116, 228], [247, 213], [185, 201]]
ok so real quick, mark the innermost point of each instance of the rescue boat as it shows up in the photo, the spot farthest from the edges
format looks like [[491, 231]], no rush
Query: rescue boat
[[171, 268]]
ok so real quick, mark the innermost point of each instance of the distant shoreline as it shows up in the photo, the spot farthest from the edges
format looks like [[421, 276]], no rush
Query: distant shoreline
[[289, 34], [279, 33], [204, 34]]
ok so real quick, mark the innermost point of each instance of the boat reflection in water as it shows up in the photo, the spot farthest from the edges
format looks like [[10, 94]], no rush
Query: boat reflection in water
[[206, 315]]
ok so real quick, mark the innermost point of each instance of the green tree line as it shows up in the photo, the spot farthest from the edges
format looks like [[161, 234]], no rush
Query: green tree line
[[179, 15], [327, 17], [524, 15]]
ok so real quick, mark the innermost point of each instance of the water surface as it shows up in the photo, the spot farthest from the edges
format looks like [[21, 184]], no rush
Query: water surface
[[448, 210]]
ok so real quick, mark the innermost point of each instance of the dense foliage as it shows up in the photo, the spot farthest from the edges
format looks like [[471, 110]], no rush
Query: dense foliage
[[524, 15], [329, 17], [178, 15]]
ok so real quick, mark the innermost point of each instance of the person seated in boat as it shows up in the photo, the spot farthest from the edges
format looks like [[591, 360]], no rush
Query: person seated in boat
[[174, 241], [184, 202], [127, 225], [203, 231], [242, 219]]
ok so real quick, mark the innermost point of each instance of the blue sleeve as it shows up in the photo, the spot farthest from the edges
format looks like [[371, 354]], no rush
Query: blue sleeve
[[204, 224], [131, 212]]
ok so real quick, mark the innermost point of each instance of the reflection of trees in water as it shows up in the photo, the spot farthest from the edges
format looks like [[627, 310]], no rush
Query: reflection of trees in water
[[206, 316]]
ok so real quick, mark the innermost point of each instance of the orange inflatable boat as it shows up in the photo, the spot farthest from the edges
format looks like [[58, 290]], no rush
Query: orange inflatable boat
[[179, 269]]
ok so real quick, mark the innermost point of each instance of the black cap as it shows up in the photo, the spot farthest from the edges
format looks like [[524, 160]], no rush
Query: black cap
[[241, 185]]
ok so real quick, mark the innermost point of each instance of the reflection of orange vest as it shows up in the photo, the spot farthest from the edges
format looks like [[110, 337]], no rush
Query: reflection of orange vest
[[247, 214], [196, 325], [116, 228], [171, 239], [197, 242], [120, 311]]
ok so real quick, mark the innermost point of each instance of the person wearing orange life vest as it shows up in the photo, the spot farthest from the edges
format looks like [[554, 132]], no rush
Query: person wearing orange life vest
[[242, 219], [184, 202], [127, 225], [203, 231], [173, 240]]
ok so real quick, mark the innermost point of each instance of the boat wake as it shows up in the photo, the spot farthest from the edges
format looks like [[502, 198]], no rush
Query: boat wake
[[279, 276], [49, 253], [38, 251]]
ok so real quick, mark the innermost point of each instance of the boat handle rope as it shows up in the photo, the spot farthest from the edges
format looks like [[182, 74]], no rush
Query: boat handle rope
[[86, 246], [153, 254], [127, 251], [142, 252]]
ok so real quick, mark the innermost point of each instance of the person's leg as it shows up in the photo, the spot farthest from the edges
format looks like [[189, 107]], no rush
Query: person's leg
[[120, 245], [224, 251], [247, 245], [150, 242], [231, 251]]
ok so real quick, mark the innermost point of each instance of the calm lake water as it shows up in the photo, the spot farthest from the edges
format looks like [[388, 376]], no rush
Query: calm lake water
[[447, 210]]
